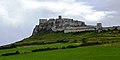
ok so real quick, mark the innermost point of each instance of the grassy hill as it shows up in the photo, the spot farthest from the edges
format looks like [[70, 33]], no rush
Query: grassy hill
[[87, 45], [84, 53], [49, 37]]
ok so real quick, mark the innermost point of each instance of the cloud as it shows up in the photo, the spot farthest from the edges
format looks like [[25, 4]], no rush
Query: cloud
[[15, 12], [95, 16], [10, 12], [69, 8], [111, 6]]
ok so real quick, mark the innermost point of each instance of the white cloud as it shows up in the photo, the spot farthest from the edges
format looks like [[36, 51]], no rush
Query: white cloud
[[96, 16], [68, 8], [10, 12], [14, 14]]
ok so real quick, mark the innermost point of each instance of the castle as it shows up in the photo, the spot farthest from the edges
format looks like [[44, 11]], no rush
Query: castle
[[68, 25]]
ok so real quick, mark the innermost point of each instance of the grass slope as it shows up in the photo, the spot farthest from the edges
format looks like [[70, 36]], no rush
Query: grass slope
[[108, 50], [49, 37], [28, 49], [84, 53]]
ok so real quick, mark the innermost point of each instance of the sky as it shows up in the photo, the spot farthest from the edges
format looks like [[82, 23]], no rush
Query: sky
[[19, 17]]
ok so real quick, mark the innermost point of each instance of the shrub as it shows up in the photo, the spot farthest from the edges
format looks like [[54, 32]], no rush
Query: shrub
[[71, 46], [43, 49], [14, 53], [84, 40], [8, 46], [91, 43], [62, 41], [63, 47]]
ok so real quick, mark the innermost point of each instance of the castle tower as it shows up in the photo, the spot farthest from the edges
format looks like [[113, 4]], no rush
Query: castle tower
[[59, 17], [99, 27]]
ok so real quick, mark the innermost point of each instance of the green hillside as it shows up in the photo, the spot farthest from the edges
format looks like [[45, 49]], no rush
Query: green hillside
[[89, 45], [49, 37], [84, 53]]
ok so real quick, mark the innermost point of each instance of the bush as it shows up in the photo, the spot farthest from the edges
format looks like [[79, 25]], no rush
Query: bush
[[90, 43], [44, 49], [74, 41], [71, 46], [63, 47], [8, 46], [84, 40], [7, 54], [62, 41]]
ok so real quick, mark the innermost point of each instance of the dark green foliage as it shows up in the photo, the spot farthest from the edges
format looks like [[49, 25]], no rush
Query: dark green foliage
[[63, 47], [75, 41], [8, 54], [90, 43], [84, 40], [8, 46], [44, 49], [54, 48], [72, 46], [62, 41]]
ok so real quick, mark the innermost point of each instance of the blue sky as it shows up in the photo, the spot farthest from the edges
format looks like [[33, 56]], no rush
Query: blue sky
[[19, 17]]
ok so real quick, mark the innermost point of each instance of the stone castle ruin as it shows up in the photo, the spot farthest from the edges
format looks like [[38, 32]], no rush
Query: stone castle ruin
[[67, 25]]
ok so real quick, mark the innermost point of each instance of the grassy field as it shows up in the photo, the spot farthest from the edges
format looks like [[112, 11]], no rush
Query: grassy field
[[109, 48], [83, 53], [28, 49]]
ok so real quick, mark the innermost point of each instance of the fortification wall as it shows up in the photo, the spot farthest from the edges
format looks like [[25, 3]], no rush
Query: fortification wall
[[78, 30]]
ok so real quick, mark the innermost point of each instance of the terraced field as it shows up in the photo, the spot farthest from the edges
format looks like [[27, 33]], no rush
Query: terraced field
[[28, 49], [81, 53], [48, 45]]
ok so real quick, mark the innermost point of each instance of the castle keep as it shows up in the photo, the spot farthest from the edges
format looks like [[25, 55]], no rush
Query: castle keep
[[67, 25]]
